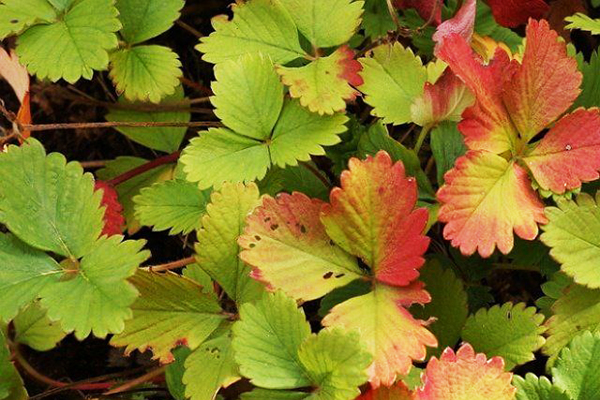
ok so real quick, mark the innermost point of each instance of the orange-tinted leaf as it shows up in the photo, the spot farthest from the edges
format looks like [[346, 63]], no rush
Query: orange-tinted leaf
[[465, 376], [389, 331], [286, 244], [486, 125], [14, 73], [546, 84], [484, 199], [463, 24], [372, 215], [569, 154], [114, 222], [512, 13], [397, 392]]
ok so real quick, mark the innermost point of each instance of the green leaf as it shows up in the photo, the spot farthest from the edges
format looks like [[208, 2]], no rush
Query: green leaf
[[577, 370], [47, 203], [17, 15], [196, 273], [553, 289], [258, 26], [325, 23], [583, 22], [573, 235], [145, 19], [337, 296], [171, 310], [210, 367], [34, 329], [174, 373], [11, 384], [578, 309], [590, 87], [300, 178], [534, 388], [448, 305], [80, 42], [145, 73], [377, 20], [176, 204], [510, 331], [393, 78], [95, 296], [167, 139], [447, 144], [264, 394], [217, 248], [486, 25], [24, 273], [266, 342]]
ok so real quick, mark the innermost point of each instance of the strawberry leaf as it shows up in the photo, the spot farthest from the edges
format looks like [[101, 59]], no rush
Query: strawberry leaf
[[11, 384], [397, 392], [584, 23], [145, 19], [577, 369], [462, 24], [171, 310], [533, 388], [18, 15], [447, 145], [512, 13], [34, 329], [113, 217]]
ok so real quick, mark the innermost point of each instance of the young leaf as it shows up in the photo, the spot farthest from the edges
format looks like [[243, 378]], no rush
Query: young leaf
[[34, 329], [393, 78], [465, 376], [324, 85], [288, 247], [145, 73], [325, 24], [80, 42], [145, 19], [217, 248], [258, 26], [18, 15], [534, 388], [11, 384], [95, 296], [512, 13], [48, 203], [171, 310], [177, 205], [577, 369], [511, 331]]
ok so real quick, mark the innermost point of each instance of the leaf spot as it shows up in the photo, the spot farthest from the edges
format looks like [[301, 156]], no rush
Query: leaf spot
[[328, 275], [274, 227]]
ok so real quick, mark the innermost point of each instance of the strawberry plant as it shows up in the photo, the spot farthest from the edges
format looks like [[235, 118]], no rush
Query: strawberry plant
[[299, 199]]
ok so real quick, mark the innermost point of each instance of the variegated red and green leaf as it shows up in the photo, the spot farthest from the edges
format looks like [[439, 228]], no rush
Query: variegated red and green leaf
[[463, 24], [512, 13], [569, 154], [288, 248], [484, 200], [372, 216], [389, 331], [465, 375], [397, 392]]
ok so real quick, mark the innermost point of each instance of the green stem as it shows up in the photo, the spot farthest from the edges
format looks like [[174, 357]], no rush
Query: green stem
[[426, 129]]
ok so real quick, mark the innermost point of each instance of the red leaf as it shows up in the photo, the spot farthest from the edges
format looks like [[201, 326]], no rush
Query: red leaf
[[463, 24], [114, 222], [512, 13]]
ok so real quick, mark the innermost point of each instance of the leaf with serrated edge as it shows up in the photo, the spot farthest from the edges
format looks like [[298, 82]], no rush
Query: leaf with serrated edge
[[462, 23], [325, 84], [288, 247], [583, 22], [217, 248], [17, 15], [372, 215], [510, 331], [577, 370], [11, 384], [257, 26], [34, 329], [145, 73], [96, 297], [465, 376], [393, 78], [533, 388], [80, 42], [170, 310], [391, 334], [48, 203], [145, 19]]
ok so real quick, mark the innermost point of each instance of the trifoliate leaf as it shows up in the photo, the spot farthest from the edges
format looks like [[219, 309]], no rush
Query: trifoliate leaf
[[447, 145], [325, 24], [393, 78], [11, 384], [210, 367], [288, 247], [145, 73], [17, 15], [511, 331], [258, 26], [177, 205], [465, 376], [266, 342], [577, 310], [533, 388], [24, 273], [217, 248], [583, 22], [577, 369], [171, 310], [167, 139], [571, 234], [34, 329], [448, 305], [324, 85], [48, 203], [145, 19], [80, 41], [95, 296]]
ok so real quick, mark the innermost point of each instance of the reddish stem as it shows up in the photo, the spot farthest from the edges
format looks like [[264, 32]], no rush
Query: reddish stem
[[173, 157]]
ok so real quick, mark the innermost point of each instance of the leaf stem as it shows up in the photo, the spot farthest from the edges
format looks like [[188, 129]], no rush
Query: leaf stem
[[316, 173], [96, 125], [138, 381], [144, 168], [421, 138], [172, 265]]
